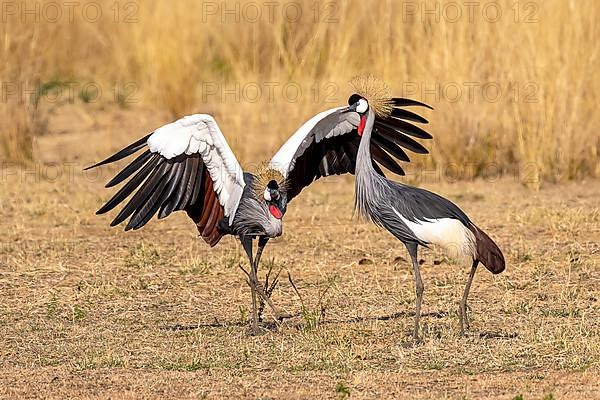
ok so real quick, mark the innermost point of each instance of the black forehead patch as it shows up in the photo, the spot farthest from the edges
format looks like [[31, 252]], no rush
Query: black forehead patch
[[354, 98], [273, 185]]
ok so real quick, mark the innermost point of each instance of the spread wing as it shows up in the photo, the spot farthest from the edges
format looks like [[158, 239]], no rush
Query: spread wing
[[327, 144], [185, 165]]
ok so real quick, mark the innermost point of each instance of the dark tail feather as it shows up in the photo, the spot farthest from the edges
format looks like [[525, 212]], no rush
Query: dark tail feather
[[488, 252]]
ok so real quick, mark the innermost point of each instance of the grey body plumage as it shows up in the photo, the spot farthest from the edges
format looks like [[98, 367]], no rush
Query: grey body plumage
[[253, 218], [395, 206], [376, 197]]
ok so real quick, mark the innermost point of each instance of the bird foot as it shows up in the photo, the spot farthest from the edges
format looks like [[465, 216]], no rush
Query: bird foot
[[463, 319], [280, 316], [254, 329], [414, 342], [414, 338]]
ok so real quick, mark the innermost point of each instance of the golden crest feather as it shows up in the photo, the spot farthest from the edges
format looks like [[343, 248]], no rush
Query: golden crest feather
[[265, 174], [377, 93]]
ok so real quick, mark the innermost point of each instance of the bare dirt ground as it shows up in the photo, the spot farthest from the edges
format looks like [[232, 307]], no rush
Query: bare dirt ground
[[89, 311]]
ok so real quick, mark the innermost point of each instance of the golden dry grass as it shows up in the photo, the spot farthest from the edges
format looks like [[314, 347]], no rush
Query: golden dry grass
[[92, 312], [542, 55]]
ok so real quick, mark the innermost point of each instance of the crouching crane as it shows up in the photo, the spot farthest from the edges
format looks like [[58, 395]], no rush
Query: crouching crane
[[187, 165]]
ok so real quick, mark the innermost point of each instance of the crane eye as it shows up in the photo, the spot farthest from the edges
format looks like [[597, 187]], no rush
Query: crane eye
[[362, 107]]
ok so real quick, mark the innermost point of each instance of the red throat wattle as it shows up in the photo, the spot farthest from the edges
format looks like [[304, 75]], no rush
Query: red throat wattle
[[361, 126], [276, 212]]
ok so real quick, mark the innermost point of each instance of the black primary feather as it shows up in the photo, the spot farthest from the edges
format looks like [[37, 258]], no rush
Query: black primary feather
[[401, 139], [408, 115], [402, 102], [174, 188], [199, 185], [130, 186], [192, 181], [385, 159], [407, 128], [130, 169], [127, 151], [148, 208], [141, 195], [390, 147]]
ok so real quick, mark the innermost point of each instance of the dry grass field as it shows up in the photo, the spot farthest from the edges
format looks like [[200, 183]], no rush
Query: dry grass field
[[87, 311]]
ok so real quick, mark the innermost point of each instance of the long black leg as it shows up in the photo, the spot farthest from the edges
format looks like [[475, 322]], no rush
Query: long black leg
[[247, 243], [262, 242], [462, 310], [256, 285], [412, 250]]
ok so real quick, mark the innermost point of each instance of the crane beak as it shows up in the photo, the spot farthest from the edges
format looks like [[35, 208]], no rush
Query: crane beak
[[351, 107]]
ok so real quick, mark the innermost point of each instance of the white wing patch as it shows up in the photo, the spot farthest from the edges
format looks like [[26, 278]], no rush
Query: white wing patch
[[199, 133], [450, 233], [282, 161]]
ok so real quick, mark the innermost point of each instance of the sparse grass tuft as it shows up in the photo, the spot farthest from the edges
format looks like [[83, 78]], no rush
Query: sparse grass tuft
[[310, 318], [52, 306], [244, 315], [342, 390], [142, 256], [79, 313]]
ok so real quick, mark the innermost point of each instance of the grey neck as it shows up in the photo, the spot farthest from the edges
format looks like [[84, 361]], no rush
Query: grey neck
[[363, 157], [367, 179]]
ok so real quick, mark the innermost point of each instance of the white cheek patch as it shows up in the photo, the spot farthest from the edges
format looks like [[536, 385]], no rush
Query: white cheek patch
[[362, 106], [267, 195]]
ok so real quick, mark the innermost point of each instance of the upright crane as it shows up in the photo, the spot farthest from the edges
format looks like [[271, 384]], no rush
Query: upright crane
[[414, 216]]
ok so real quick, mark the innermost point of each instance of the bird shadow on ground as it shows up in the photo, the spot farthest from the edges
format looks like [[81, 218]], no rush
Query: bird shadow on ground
[[396, 315], [498, 335], [269, 325], [434, 314], [191, 327], [273, 326]]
